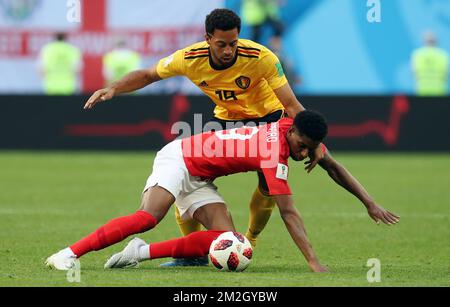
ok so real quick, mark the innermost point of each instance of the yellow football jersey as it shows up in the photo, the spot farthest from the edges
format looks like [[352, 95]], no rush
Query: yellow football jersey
[[242, 91]]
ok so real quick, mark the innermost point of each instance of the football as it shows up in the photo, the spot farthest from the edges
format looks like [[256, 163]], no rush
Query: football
[[231, 251]]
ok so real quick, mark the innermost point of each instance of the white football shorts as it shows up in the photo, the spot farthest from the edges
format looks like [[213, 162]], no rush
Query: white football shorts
[[170, 173]]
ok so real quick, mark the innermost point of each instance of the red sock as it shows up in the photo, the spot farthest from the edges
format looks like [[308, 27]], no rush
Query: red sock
[[114, 231], [195, 244]]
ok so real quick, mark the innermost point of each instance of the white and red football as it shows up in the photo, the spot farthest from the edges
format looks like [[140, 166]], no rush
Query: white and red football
[[231, 251]]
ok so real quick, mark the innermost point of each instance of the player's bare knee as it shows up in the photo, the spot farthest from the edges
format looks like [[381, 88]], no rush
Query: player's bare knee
[[214, 217], [156, 201], [222, 219]]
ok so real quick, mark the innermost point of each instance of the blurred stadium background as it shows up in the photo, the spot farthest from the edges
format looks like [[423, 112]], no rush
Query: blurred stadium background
[[356, 72], [331, 44]]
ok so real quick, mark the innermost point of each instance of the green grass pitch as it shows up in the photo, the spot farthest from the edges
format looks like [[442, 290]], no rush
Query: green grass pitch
[[51, 199]]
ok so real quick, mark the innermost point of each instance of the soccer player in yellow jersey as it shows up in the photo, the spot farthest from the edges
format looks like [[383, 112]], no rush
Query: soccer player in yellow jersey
[[246, 82]]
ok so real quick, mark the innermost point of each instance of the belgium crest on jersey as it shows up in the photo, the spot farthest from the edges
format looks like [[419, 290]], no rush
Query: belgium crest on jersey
[[243, 82]]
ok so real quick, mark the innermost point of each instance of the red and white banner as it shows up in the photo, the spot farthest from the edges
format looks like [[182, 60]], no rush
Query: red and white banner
[[153, 28]]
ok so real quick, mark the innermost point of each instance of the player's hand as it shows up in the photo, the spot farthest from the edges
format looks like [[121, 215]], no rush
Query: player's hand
[[378, 214], [99, 96], [314, 158], [318, 268]]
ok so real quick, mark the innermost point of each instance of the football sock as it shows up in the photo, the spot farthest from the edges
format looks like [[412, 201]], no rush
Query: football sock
[[193, 245], [186, 226], [261, 207], [114, 231]]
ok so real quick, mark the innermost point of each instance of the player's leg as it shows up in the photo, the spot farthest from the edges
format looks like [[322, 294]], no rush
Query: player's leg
[[192, 204], [186, 226], [214, 216], [194, 245], [120, 228], [155, 203], [160, 190], [261, 207], [162, 186]]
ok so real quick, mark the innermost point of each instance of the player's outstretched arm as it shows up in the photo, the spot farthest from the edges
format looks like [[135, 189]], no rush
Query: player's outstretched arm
[[133, 81], [296, 228], [345, 179], [289, 100], [293, 107]]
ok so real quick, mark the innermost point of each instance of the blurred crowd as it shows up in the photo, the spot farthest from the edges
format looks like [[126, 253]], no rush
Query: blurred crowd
[[60, 63], [430, 67]]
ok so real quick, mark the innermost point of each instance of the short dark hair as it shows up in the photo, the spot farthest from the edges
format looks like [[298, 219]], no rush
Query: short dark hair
[[312, 124], [222, 19]]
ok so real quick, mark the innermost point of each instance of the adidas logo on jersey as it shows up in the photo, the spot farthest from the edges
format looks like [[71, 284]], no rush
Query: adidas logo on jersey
[[203, 84]]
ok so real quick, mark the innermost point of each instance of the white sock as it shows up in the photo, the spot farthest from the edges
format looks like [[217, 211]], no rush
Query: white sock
[[144, 252]]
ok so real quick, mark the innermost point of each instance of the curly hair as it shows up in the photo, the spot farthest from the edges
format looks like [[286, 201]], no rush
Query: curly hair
[[312, 124], [222, 19]]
